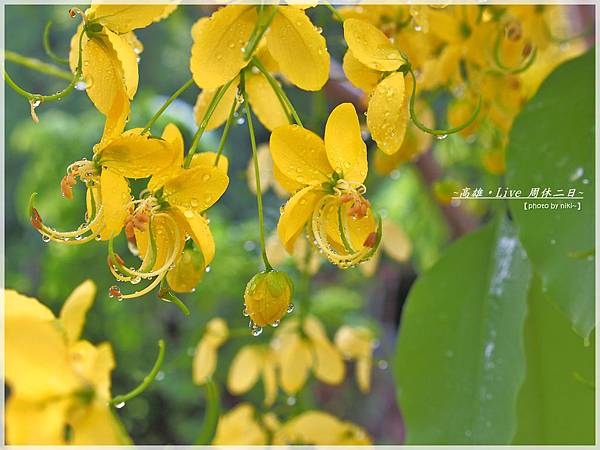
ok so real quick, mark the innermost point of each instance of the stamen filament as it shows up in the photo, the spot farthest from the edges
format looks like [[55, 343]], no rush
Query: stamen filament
[[513, 70], [46, 41]]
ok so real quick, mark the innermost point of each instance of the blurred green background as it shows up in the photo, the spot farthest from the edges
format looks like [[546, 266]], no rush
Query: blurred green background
[[171, 410]]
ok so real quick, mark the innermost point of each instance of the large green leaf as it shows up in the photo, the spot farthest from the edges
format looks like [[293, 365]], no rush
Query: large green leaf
[[556, 402], [552, 146], [460, 358]]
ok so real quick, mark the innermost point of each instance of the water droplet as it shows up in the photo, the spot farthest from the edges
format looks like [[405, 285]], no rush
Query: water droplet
[[207, 269], [241, 121], [45, 238], [205, 177], [135, 280], [249, 246], [120, 405], [441, 137], [577, 174], [275, 324], [114, 292], [160, 375], [290, 308], [382, 364], [553, 242], [81, 85], [245, 312], [188, 213], [291, 400], [256, 331]]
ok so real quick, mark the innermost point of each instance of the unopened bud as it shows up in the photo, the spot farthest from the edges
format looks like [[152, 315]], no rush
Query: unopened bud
[[267, 297]]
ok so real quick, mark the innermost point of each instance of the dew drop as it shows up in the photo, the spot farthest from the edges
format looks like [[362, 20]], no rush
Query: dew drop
[[241, 121], [205, 177], [81, 85], [382, 364], [291, 400], [441, 137], [245, 312], [290, 308], [256, 331], [120, 405], [160, 375], [45, 238], [275, 324], [207, 269]]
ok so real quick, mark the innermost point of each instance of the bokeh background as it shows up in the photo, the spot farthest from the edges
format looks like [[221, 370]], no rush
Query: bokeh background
[[171, 410]]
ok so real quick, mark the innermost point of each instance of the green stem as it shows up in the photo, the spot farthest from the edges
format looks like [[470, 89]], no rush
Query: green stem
[[226, 131], [162, 109], [261, 218], [147, 379], [211, 414], [259, 31], [209, 112], [437, 132], [46, 41], [336, 14], [36, 64], [59, 95], [283, 98], [165, 293]]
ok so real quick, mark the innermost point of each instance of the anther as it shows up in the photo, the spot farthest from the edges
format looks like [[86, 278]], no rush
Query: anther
[[36, 219], [371, 240]]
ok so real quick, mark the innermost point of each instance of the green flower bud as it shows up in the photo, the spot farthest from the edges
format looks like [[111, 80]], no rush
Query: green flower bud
[[267, 297]]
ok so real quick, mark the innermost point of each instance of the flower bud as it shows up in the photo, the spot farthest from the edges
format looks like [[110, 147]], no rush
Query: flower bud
[[188, 271], [267, 297]]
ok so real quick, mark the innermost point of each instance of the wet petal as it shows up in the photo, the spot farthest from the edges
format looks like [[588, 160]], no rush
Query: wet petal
[[217, 54], [35, 423], [288, 184], [205, 361], [370, 46], [328, 365], [346, 151], [295, 360], [116, 197], [134, 155], [197, 188], [265, 103], [124, 18], [128, 59], [296, 212], [387, 114], [97, 425], [188, 271], [265, 167], [198, 229], [300, 154], [245, 369], [173, 136], [299, 49], [358, 74], [73, 311], [239, 427]]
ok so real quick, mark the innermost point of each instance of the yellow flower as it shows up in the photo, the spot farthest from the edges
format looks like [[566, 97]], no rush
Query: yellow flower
[[205, 357], [302, 347], [110, 53], [243, 425], [168, 211], [218, 52], [108, 196], [250, 363], [319, 428], [357, 343], [55, 379], [328, 177], [267, 299], [240, 427]]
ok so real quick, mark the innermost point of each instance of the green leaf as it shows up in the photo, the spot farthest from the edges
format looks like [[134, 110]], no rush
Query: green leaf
[[556, 402], [552, 145], [460, 358]]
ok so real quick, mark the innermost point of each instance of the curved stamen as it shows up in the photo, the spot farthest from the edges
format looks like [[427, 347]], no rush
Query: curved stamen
[[527, 62]]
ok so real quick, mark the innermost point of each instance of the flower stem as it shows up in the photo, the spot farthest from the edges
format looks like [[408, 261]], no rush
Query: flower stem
[[209, 112], [36, 64], [46, 41], [48, 98], [147, 379], [437, 132], [211, 414], [283, 98], [226, 131], [261, 28], [261, 218], [162, 109], [336, 14]]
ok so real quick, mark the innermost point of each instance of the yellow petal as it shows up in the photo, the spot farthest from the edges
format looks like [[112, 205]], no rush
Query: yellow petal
[[208, 159], [239, 427], [128, 59], [294, 360], [370, 46], [269, 380], [346, 151], [188, 271], [311, 428], [360, 75], [284, 182], [162, 230], [369, 267], [124, 18], [300, 154], [36, 357], [445, 25], [245, 369], [205, 361], [299, 49], [265, 103], [355, 342], [197, 188], [296, 212], [73, 311], [134, 155], [265, 165], [328, 364], [93, 364], [395, 242], [387, 114], [173, 136], [198, 229], [221, 112], [217, 54], [363, 374], [35, 423], [97, 425], [116, 197]]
